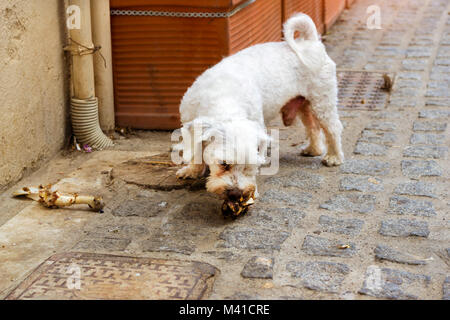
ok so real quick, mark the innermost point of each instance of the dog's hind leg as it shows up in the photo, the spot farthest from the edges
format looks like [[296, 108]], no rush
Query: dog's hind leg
[[315, 146], [328, 119]]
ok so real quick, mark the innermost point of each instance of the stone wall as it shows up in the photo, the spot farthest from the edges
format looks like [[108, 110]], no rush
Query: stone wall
[[34, 85]]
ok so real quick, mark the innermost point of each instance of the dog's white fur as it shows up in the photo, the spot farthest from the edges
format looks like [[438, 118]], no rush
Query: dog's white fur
[[235, 98]]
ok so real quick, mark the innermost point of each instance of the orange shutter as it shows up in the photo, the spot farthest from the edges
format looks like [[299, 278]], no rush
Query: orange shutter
[[155, 59], [313, 8], [333, 9]]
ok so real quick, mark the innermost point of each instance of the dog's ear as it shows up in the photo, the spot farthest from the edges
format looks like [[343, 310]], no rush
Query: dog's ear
[[197, 135], [213, 142], [212, 133]]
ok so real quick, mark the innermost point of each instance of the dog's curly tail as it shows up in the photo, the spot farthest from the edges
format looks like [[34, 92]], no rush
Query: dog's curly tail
[[305, 26]]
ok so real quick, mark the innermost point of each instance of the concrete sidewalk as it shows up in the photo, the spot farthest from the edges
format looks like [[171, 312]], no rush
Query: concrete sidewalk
[[376, 227]]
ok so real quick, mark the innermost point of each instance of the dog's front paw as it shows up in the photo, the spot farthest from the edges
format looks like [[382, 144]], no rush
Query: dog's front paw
[[185, 173], [331, 160]]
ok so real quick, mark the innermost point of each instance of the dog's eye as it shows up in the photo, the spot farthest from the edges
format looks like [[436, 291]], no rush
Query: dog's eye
[[225, 166]]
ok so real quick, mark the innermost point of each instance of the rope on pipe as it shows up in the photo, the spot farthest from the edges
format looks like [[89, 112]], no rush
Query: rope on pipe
[[85, 123]]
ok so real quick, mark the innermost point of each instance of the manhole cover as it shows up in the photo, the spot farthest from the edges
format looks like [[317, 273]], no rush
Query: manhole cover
[[156, 172], [362, 90], [79, 276]]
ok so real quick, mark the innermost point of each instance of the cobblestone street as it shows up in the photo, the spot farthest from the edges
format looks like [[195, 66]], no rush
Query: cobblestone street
[[376, 227]]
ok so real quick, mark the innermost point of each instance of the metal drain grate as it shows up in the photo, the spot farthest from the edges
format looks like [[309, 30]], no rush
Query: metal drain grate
[[79, 276], [362, 90]]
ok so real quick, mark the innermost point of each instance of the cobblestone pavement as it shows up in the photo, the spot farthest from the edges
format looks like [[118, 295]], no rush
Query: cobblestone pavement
[[374, 228]]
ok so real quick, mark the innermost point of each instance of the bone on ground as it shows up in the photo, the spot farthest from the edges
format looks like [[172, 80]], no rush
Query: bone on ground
[[290, 110]]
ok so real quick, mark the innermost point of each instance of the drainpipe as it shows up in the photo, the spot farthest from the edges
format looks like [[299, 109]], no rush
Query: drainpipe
[[84, 103], [104, 87]]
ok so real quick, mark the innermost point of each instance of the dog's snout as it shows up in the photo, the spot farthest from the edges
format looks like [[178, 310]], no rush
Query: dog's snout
[[234, 194]]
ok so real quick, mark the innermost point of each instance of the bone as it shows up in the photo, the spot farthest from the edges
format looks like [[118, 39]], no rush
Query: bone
[[54, 199]]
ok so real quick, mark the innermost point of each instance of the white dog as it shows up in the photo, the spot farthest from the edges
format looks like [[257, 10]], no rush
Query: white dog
[[232, 101]]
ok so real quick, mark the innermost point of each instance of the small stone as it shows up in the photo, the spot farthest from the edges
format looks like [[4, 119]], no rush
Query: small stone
[[365, 167], [404, 228], [385, 115], [299, 179], [410, 75], [441, 69], [258, 267], [393, 284], [418, 52], [429, 126], [437, 102], [405, 92], [408, 83], [390, 40], [438, 92], [414, 64], [300, 199], [433, 84], [386, 138], [438, 76], [434, 114], [341, 226], [424, 30], [446, 289], [420, 168], [166, 243], [346, 114], [250, 238], [319, 246], [382, 126], [383, 252], [379, 65], [404, 205], [442, 62], [370, 149], [360, 203], [402, 101], [427, 138], [274, 218], [361, 183], [319, 276], [435, 152], [298, 162], [421, 41], [385, 51], [416, 188], [445, 40]]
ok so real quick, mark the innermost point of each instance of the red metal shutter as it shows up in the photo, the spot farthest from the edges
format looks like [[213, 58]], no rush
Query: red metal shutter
[[333, 9], [313, 8], [260, 24], [155, 59]]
